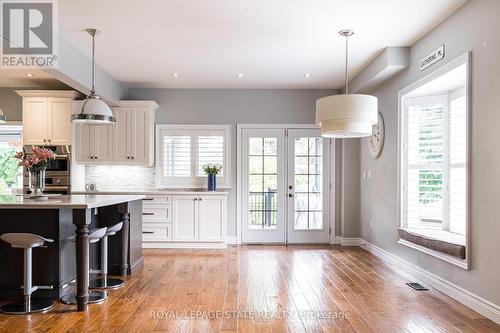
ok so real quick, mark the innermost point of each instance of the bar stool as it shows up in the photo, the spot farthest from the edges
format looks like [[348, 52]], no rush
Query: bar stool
[[27, 242], [94, 296], [104, 282]]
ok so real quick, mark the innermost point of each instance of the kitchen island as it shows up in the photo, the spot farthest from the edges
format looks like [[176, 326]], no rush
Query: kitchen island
[[61, 262]]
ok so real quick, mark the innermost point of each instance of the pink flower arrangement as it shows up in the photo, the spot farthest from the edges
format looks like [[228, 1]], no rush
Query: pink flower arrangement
[[36, 161]]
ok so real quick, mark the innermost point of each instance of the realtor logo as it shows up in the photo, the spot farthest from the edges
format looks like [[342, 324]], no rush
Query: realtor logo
[[28, 34]]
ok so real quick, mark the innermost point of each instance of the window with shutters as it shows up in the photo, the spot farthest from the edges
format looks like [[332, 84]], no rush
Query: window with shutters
[[434, 160], [182, 150], [11, 174]]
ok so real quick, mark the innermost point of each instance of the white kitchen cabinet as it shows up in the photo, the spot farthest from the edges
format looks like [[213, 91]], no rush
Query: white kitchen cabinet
[[211, 210], [185, 223], [191, 220], [94, 143], [129, 141], [47, 116]]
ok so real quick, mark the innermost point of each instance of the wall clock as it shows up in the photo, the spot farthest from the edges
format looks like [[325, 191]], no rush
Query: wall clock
[[376, 140]]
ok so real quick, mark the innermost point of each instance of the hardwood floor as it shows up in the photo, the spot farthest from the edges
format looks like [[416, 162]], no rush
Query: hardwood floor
[[274, 288]]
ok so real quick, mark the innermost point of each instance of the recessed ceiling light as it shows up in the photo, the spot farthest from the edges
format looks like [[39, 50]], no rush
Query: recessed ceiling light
[[29, 75], [307, 75], [240, 75], [175, 74]]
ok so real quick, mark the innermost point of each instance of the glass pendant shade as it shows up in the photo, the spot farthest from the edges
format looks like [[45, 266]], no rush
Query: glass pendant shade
[[2, 117], [346, 116], [94, 112]]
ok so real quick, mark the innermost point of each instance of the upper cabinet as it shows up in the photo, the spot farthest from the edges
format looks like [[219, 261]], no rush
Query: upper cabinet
[[129, 141], [47, 116]]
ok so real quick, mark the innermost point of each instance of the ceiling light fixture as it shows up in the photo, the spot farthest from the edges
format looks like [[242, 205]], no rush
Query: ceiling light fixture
[[2, 117], [307, 75], [29, 75], [175, 74], [94, 110], [347, 115], [240, 75]]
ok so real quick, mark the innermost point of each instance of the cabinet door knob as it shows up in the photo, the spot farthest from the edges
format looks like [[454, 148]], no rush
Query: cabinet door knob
[[128, 157], [95, 157], [132, 157], [290, 195], [91, 157], [195, 199], [200, 199]]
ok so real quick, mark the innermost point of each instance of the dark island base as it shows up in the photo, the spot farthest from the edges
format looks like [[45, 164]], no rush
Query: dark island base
[[56, 264]]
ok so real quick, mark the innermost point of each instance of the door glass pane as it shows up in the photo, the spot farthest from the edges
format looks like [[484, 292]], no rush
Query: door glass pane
[[308, 180], [263, 182]]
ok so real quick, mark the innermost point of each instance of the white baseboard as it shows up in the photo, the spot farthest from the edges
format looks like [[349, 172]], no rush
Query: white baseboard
[[232, 240], [347, 241], [476, 303], [174, 245]]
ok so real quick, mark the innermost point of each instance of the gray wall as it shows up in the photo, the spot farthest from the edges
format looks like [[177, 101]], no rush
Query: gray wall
[[179, 106], [11, 104], [474, 27]]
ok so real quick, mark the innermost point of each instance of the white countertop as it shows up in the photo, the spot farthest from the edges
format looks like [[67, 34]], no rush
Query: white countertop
[[189, 191], [65, 201]]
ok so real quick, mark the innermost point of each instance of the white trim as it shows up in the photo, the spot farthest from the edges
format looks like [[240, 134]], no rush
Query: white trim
[[183, 245], [232, 240], [48, 93], [333, 180], [195, 182], [150, 105], [276, 126], [467, 59], [476, 303], [346, 241]]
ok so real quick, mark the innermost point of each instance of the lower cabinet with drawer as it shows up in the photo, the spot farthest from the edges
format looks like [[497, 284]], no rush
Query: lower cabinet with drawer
[[185, 220]]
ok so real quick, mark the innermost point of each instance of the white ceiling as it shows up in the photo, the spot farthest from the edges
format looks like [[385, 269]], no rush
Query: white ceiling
[[272, 42], [17, 78]]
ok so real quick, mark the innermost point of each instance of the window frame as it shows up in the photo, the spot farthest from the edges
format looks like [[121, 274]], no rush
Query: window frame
[[193, 181], [452, 64]]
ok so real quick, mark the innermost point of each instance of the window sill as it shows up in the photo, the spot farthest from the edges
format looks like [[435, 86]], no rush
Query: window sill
[[444, 245]]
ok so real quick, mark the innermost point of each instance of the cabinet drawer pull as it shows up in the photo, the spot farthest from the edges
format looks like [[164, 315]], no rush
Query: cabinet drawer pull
[[147, 199], [148, 232], [148, 213]]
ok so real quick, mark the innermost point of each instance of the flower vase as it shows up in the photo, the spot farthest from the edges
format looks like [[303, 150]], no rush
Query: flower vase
[[212, 183], [36, 182]]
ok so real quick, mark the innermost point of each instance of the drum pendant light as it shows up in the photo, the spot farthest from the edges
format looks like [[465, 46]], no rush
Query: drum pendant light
[[347, 115], [94, 110]]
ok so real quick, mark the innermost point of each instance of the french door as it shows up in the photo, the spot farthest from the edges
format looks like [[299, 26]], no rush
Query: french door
[[284, 186]]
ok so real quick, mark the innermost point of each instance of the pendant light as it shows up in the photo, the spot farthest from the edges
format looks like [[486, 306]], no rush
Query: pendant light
[[347, 115], [2, 117], [94, 110]]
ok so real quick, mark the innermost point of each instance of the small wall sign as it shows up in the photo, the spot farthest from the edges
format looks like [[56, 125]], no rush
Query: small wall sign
[[432, 58]]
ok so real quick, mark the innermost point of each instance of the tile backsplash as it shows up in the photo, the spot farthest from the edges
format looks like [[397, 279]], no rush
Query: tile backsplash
[[120, 177]]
